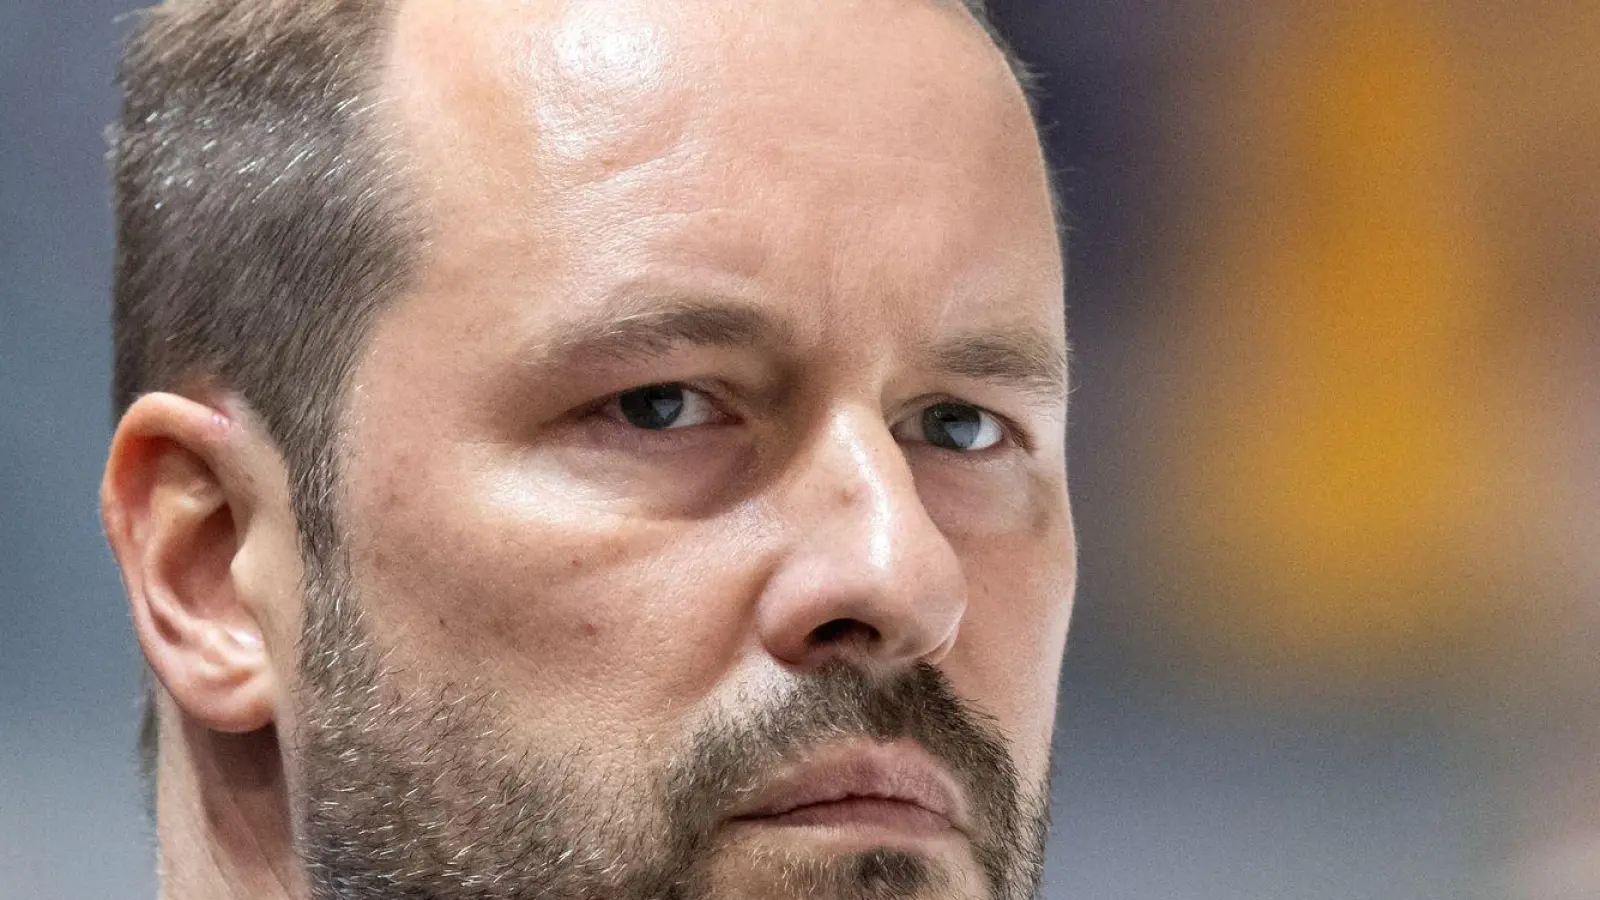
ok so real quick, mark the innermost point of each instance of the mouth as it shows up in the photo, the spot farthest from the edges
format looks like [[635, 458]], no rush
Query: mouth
[[877, 794]]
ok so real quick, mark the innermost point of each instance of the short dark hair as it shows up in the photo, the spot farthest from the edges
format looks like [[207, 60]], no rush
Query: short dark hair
[[259, 229]]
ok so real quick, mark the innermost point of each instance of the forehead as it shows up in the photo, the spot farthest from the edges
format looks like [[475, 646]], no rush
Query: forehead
[[840, 147]]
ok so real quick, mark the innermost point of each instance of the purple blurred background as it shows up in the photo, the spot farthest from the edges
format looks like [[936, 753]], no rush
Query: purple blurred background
[[1335, 298]]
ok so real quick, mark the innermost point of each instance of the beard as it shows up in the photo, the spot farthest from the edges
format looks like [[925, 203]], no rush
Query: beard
[[424, 793]]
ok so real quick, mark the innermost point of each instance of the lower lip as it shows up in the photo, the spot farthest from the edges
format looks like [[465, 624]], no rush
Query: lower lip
[[860, 813]]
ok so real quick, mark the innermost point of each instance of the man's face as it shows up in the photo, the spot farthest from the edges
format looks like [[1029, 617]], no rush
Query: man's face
[[704, 504]]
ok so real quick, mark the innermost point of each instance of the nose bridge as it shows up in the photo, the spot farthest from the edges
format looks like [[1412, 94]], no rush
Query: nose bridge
[[864, 553], [877, 496]]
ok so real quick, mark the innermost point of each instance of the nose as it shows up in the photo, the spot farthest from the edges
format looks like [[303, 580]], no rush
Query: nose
[[865, 576]]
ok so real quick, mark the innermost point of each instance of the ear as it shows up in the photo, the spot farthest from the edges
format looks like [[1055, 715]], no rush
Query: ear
[[177, 501]]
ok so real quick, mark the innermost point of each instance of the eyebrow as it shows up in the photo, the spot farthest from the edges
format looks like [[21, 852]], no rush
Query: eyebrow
[[646, 328], [643, 328], [1023, 358]]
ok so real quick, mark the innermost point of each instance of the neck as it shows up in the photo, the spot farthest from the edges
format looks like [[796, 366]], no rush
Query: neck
[[222, 816]]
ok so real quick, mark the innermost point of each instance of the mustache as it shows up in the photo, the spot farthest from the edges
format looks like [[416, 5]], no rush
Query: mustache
[[733, 758]]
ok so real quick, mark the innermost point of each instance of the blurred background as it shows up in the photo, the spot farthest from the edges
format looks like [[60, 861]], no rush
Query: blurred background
[[1335, 297]]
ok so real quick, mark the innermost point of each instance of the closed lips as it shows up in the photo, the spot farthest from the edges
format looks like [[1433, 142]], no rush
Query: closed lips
[[863, 780]]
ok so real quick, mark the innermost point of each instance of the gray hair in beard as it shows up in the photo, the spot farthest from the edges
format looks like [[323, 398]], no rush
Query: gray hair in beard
[[420, 794]]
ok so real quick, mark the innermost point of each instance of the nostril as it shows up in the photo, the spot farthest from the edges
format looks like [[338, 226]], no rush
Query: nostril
[[840, 631]]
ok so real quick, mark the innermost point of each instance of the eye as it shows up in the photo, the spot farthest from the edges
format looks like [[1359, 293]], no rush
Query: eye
[[952, 426], [660, 407]]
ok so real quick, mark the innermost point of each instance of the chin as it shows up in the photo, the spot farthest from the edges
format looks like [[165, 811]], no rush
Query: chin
[[842, 864]]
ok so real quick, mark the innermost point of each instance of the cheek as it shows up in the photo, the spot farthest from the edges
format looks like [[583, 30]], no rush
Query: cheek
[[998, 501], [1007, 658], [573, 613]]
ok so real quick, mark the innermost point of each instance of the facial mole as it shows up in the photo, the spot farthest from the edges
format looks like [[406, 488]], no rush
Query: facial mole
[[1044, 513]]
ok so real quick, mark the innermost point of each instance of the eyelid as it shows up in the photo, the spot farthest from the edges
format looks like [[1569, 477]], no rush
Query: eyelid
[[1013, 434], [713, 394]]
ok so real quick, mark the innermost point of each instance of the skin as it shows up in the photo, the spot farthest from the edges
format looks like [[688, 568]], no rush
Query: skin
[[864, 188]]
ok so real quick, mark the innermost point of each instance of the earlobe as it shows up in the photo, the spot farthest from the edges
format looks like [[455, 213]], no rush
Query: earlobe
[[176, 500]]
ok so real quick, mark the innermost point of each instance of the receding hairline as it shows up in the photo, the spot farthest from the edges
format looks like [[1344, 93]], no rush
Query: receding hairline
[[395, 68], [421, 80]]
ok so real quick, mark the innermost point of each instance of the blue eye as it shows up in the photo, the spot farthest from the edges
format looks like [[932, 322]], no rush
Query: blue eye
[[954, 426], [659, 407]]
